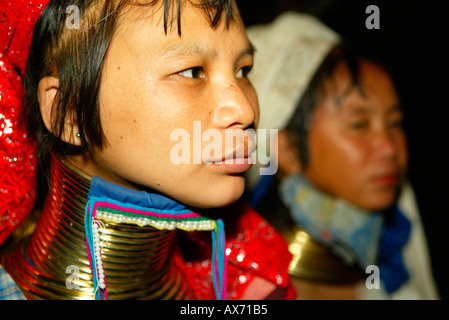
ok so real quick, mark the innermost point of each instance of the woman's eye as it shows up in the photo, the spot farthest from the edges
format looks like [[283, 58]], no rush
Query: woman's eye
[[243, 72], [193, 73]]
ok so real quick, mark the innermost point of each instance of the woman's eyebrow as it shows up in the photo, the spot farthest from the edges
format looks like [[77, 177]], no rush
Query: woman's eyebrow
[[249, 51], [183, 49]]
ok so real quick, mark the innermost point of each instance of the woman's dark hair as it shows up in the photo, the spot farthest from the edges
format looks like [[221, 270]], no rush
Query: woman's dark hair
[[76, 56], [344, 53]]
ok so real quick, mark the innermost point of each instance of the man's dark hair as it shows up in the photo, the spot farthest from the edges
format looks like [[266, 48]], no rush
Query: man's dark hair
[[299, 126]]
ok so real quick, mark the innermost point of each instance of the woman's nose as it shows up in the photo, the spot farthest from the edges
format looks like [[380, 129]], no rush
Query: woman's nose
[[236, 106]]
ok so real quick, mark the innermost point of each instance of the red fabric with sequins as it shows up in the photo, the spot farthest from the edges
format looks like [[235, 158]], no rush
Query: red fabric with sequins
[[17, 150], [257, 255]]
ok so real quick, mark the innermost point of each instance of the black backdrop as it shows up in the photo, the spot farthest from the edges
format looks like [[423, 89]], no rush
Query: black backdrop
[[411, 39]]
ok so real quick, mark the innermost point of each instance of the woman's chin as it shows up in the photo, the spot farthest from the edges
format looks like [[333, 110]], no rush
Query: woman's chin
[[212, 199], [219, 201]]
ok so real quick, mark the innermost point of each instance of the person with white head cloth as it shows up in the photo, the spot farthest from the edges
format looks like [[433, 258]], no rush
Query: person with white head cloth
[[340, 196]]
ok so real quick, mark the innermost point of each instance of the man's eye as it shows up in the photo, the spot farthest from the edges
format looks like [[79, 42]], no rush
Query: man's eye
[[397, 123], [357, 125], [243, 72], [193, 73]]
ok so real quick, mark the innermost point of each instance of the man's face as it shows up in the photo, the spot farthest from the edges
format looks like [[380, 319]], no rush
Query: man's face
[[154, 84], [358, 148]]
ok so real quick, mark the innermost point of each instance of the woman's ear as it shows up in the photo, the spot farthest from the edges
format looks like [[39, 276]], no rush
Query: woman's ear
[[47, 96]]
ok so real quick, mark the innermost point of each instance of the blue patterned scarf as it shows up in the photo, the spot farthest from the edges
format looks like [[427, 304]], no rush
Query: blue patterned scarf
[[356, 236]]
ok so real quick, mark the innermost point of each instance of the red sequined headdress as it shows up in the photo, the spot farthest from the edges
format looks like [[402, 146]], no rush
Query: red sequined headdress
[[18, 161]]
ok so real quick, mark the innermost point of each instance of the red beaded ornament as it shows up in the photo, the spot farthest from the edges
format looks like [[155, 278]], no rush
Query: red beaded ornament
[[18, 163]]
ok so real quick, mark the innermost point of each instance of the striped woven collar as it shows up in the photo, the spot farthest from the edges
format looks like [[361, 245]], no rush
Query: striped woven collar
[[113, 203]]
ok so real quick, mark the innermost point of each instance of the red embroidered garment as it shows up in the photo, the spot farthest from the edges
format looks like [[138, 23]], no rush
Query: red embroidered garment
[[257, 255], [17, 150]]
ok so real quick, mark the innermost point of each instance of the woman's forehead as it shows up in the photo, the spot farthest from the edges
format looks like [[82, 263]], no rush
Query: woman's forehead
[[170, 16], [198, 36]]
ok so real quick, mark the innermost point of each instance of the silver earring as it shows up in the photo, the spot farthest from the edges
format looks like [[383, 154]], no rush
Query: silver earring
[[78, 135]]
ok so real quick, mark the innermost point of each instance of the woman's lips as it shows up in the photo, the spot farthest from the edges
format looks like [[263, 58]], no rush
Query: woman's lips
[[238, 161], [235, 165]]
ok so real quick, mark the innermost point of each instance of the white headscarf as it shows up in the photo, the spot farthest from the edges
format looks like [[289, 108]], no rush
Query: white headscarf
[[288, 53]]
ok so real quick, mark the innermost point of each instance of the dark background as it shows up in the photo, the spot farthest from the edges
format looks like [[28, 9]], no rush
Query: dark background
[[412, 39]]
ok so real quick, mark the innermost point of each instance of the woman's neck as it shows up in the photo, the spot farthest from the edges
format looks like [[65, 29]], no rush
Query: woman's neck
[[53, 263]]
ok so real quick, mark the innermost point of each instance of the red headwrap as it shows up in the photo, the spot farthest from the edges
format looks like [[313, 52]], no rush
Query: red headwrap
[[18, 161]]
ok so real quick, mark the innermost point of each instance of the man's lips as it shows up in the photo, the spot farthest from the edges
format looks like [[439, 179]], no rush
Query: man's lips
[[387, 180]]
